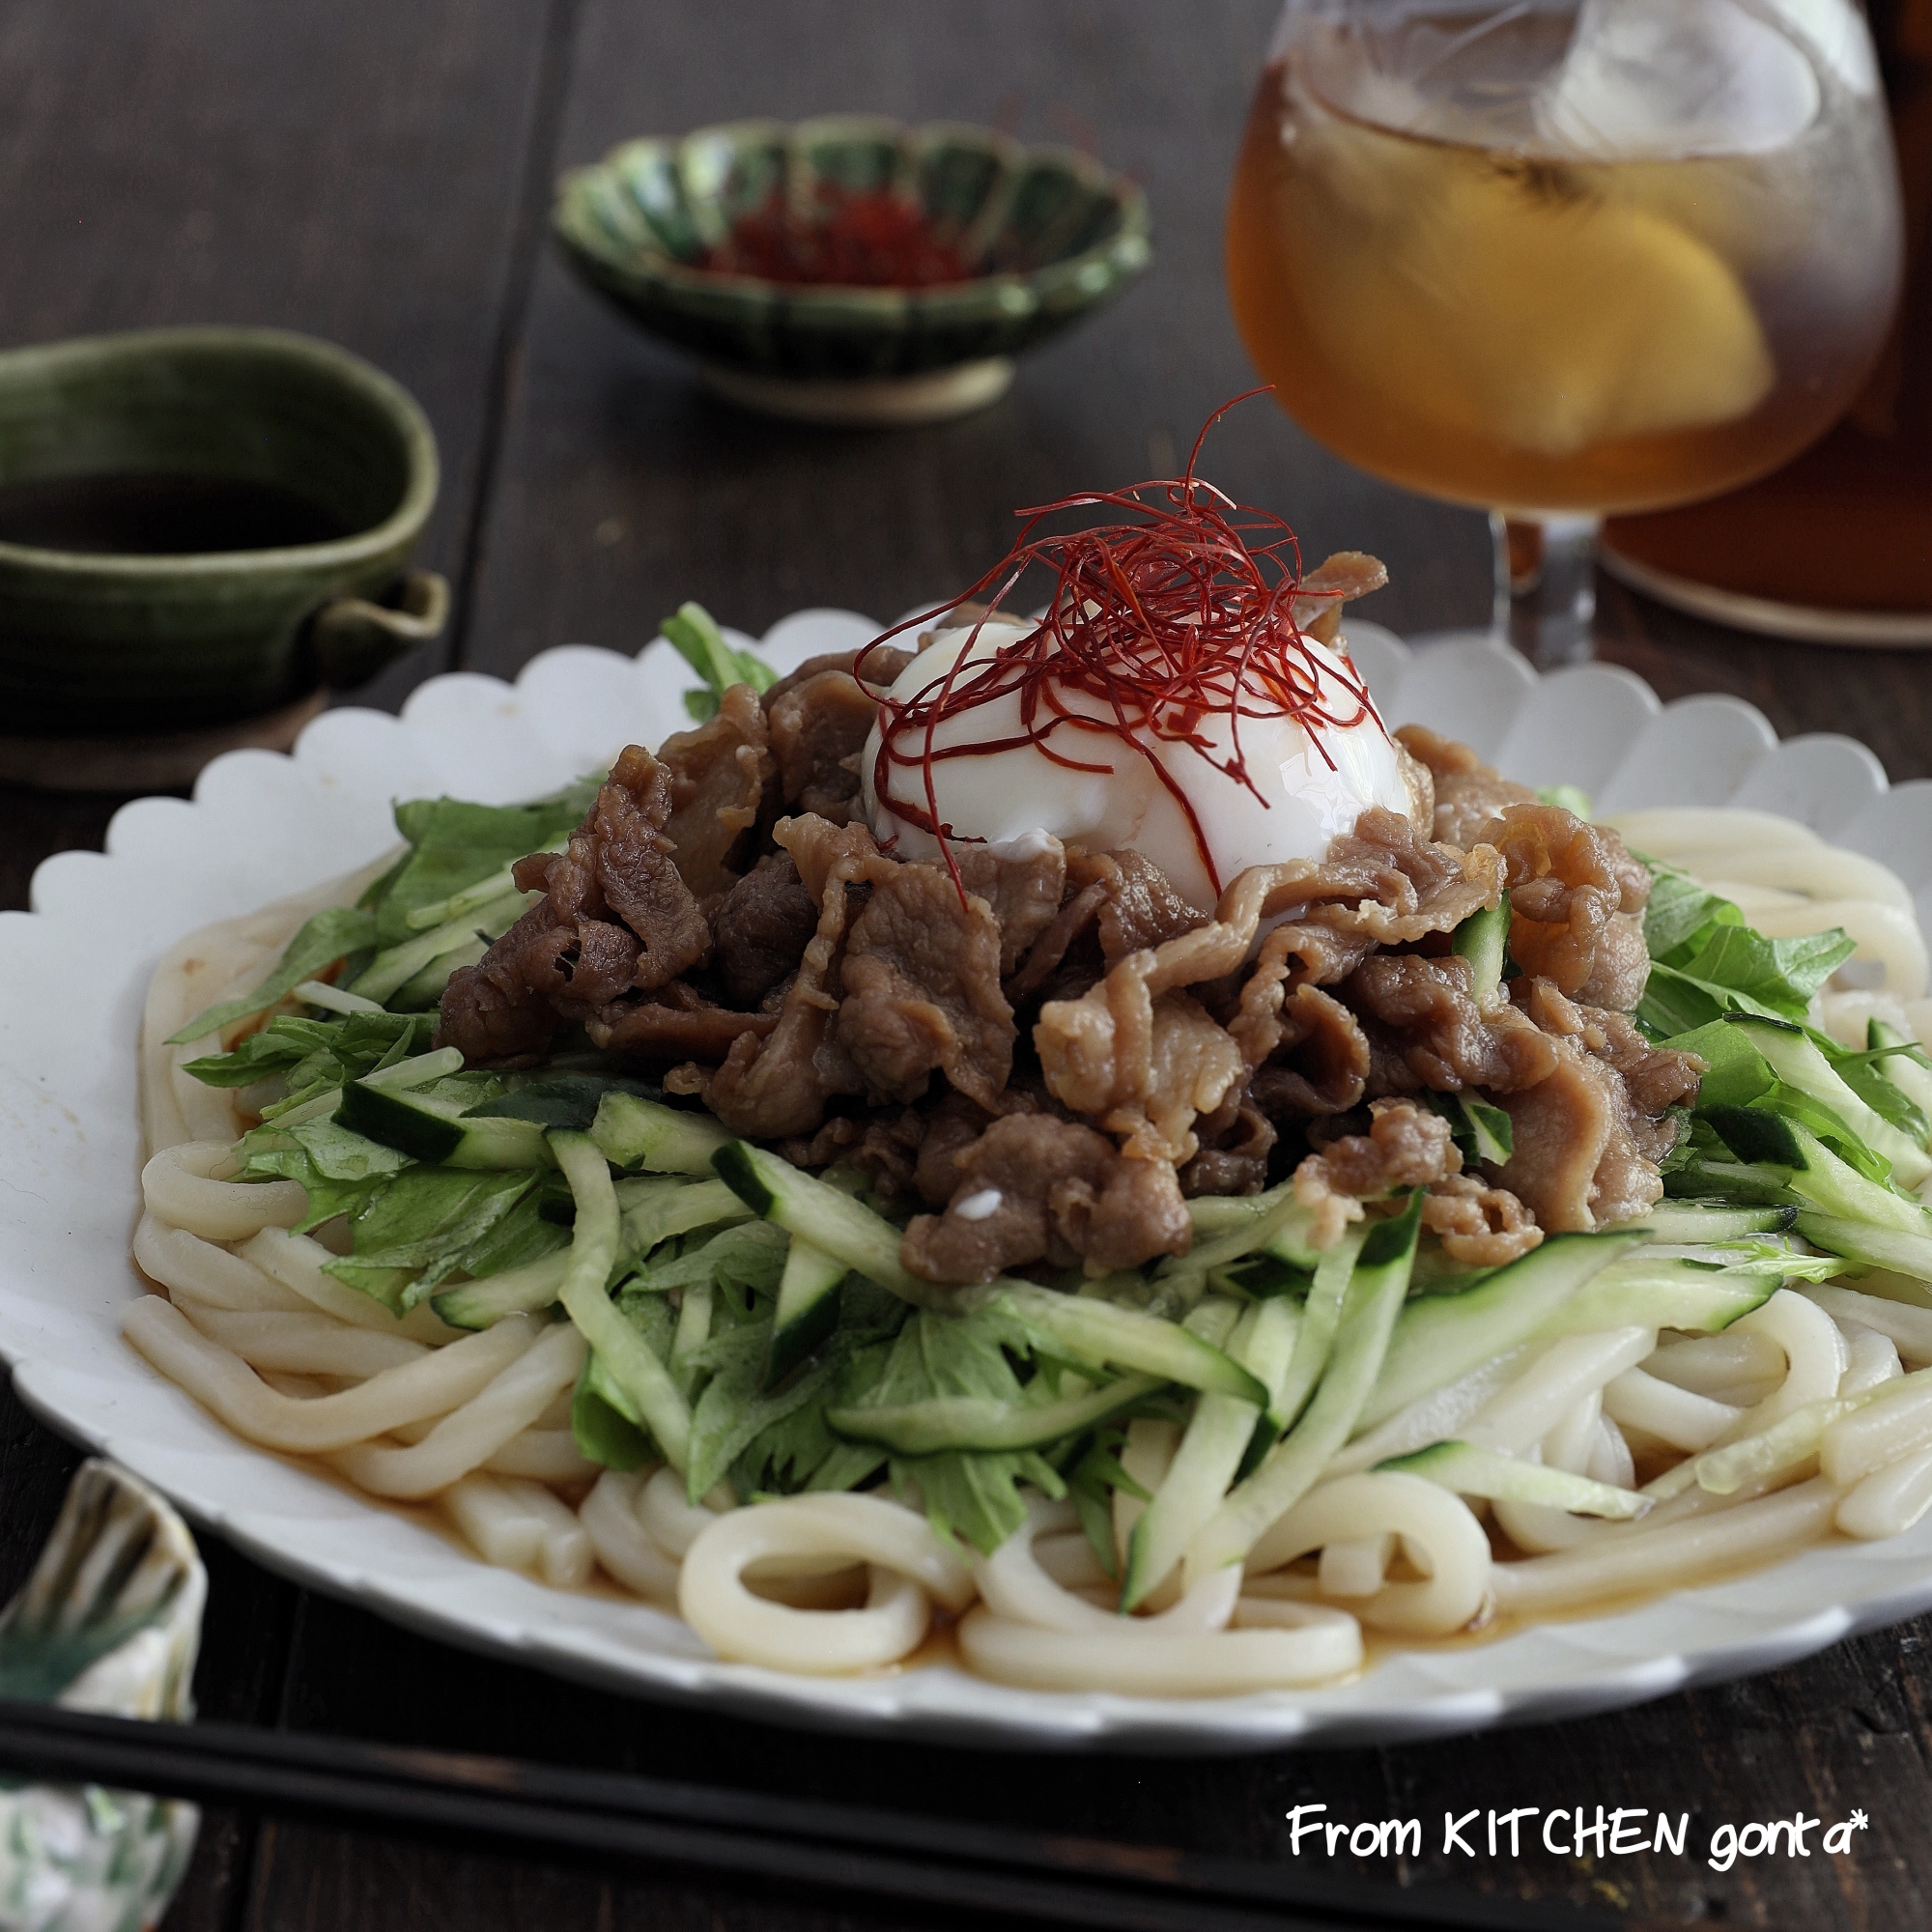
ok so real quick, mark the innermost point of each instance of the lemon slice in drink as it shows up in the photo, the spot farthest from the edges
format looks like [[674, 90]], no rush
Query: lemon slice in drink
[[1540, 305]]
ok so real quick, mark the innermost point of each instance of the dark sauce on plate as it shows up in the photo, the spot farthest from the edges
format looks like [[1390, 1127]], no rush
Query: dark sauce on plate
[[160, 515]]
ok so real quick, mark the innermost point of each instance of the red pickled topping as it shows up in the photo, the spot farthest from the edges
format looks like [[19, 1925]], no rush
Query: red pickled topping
[[868, 239]]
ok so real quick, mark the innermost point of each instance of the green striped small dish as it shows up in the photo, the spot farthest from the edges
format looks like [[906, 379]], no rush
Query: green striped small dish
[[1048, 233]]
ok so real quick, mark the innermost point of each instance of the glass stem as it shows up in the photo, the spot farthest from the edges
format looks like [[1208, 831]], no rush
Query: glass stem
[[1546, 587]]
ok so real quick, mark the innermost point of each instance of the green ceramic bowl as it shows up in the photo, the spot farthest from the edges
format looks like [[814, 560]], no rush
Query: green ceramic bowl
[[117, 643], [1049, 234]]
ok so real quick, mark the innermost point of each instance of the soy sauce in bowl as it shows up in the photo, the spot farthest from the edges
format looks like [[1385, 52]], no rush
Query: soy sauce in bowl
[[164, 514], [203, 526]]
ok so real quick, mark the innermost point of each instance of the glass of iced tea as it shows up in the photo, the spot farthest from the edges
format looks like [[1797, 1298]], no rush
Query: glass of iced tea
[[1561, 257]]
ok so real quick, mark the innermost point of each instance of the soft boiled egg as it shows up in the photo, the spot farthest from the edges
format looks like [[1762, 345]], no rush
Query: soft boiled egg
[[1300, 799]]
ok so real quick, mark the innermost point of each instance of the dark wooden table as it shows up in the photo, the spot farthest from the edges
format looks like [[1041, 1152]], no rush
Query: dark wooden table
[[379, 173]]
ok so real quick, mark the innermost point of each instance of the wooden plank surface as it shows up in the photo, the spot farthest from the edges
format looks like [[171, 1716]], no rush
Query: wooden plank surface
[[374, 173]]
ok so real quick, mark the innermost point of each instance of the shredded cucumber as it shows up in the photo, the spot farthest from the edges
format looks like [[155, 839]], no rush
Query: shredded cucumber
[[1641, 1292], [654, 1211], [807, 1307], [1713, 1220], [978, 1422], [1795, 1057], [389, 972], [1315, 1336], [1376, 1291], [1441, 1337], [1267, 1352], [1827, 1183], [635, 1133], [1211, 1452], [522, 1290], [812, 1210], [635, 1382], [1274, 1223], [1483, 940], [1471, 1470], [1106, 1334]]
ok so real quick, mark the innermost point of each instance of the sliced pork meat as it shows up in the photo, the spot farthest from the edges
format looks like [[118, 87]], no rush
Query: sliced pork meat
[[1654, 1079], [568, 879], [857, 1008], [1143, 1067], [1668, 1074], [1318, 955], [605, 966], [760, 929], [1072, 925], [818, 848], [875, 665], [1423, 1012], [498, 1012], [777, 1085], [1255, 1023], [717, 775], [885, 1148], [664, 1029], [1236, 1142], [922, 982], [1404, 1147], [1035, 1188], [1023, 883], [636, 869], [950, 1128], [1108, 1052], [1322, 1060], [1574, 893], [1140, 908], [1574, 1161], [818, 729], [771, 1087], [1479, 1225], [1468, 793], [1621, 970], [1379, 885], [567, 957], [1193, 1067], [1421, 784], [1403, 886], [1333, 581], [1114, 903], [1306, 1049]]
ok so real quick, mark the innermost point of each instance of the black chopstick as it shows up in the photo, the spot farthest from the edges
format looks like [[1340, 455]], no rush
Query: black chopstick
[[748, 1836]]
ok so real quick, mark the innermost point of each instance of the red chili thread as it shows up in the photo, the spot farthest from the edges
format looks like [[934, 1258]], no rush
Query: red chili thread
[[1165, 621], [848, 238]]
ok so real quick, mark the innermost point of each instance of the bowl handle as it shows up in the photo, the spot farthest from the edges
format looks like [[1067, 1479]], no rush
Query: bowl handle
[[353, 638]]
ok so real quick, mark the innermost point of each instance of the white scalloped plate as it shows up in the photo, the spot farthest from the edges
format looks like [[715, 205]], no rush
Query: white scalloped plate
[[73, 974]]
